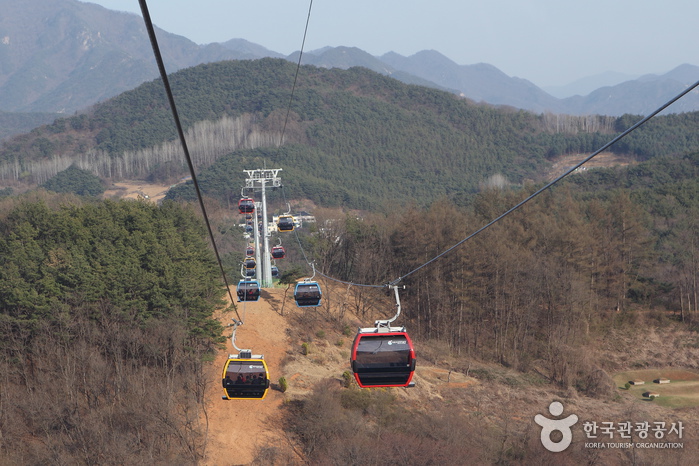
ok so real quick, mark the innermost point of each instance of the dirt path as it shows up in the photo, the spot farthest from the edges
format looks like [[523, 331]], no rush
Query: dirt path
[[238, 427]]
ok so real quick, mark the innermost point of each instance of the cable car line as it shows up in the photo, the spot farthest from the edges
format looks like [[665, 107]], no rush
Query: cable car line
[[344, 282], [539, 191], [296, 75], [521, 203], [372, 364], [378, 366], [307, 292], [245, 375], [279, 249], [180, 132], [296, 234]]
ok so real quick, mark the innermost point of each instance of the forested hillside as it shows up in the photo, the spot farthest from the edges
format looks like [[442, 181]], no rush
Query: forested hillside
[[106, 324], [352, 135], [13, 123], [579, 284], [598, 252], [110, 304]]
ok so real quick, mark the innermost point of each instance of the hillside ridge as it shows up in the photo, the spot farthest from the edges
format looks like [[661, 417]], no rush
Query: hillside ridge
[[94, 54]]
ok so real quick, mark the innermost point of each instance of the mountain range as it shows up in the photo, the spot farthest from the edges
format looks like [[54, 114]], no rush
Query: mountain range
[[62, 56]]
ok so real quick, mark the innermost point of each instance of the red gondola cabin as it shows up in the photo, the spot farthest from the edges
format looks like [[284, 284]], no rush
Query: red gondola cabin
[[383, 358], [278, 252], [246, 205]]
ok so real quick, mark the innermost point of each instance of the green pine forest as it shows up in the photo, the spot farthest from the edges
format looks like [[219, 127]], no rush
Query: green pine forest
[[122, 293], [352, 136]]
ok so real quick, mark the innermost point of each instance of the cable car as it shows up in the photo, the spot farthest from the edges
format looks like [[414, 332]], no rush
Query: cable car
[[307, 294], [250, 272], [275, 271], [246, 205], [250, 263], [383, 357], [248, 290], [285, 223], [278, 252], [249, 251], [245, 376]]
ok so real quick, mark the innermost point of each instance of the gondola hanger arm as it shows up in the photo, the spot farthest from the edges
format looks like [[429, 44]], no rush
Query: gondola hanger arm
[[387, 323], [235, 324], [313, 266]]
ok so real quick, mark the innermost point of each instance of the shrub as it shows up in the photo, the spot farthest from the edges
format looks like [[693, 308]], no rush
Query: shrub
[[347, 379], [283, 384], [357, 399], [75, 180]]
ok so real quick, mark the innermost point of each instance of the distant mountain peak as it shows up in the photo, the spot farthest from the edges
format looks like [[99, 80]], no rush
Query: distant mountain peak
[[74, 54], [250, 48]]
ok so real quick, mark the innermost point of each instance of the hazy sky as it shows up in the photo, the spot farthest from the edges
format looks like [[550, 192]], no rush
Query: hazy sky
[[549, 42]]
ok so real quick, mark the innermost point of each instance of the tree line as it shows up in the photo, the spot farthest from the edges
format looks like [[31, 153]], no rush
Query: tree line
[[206, 141], [374, 135], [533, 289]]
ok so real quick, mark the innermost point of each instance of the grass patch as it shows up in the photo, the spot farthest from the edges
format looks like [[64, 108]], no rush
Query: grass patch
[[681, 392]]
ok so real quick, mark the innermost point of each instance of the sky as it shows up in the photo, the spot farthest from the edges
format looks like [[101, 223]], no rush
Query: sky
[[548, 42]]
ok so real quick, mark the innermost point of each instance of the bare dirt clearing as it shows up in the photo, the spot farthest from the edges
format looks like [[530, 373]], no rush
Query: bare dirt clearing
[[602, 160], [135, 190]]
